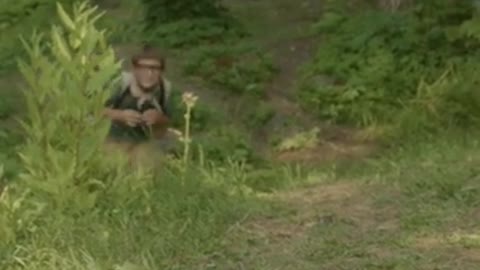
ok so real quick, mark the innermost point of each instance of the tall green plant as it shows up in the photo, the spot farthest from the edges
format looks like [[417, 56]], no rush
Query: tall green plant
[[69, 77]]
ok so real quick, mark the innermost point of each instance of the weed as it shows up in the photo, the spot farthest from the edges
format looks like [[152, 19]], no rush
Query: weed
[[189, 100]]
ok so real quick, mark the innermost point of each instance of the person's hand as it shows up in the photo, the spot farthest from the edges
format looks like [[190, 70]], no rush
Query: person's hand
[[151, 117], [131, 118]]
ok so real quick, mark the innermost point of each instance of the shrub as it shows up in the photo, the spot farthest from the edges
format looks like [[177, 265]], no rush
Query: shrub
[[375, 60], [188, 33], [188, 23], [239, 69], [17, 18], [158, 12]]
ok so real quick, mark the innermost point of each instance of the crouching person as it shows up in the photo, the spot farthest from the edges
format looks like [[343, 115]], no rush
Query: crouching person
[[140, 111]]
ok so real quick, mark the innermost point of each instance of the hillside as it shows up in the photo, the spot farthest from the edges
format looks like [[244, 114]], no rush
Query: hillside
[[276, 186]]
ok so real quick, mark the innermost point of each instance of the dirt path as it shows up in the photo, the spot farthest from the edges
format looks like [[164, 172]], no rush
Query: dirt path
[[343, 225]]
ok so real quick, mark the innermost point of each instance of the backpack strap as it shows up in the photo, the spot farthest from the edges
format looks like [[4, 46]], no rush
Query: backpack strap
[[160, 100], [126, 80], [118, 101]]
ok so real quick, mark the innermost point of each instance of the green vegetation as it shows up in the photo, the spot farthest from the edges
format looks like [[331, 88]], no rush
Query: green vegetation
[[198, 21], [18, 18], [223, 203], [415, 67], [239, 69], [413, 208]]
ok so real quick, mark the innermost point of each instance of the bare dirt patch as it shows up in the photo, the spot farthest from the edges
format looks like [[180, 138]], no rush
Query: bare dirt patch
[[320, 219]]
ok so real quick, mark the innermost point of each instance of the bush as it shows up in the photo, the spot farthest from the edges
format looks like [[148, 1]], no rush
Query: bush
[[188, 33], [19, 18], [7, 106], [239, 69], [375, 61], [188, 23]]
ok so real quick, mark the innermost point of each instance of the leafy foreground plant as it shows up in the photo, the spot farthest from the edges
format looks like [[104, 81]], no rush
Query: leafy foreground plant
[[74, 207]]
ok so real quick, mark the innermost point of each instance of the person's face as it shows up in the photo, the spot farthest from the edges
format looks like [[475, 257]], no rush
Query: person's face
[[148, 73]]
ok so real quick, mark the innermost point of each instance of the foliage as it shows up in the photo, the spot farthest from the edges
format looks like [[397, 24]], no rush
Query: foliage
[[240, 69], [64, 101], [225, 144], [375, 61], [20, 17], [256, 113], [7, 106], [188, 23], [124, 19], [165, 11], [10, 139], [192, 32]]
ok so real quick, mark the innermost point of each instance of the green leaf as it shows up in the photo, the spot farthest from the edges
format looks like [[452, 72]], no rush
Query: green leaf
[[65, 18]]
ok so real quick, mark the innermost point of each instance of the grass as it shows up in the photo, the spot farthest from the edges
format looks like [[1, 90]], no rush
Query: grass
[[415, 208], [412, 207]]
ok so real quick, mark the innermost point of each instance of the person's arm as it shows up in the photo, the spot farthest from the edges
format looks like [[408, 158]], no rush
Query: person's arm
[[113, 114]]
